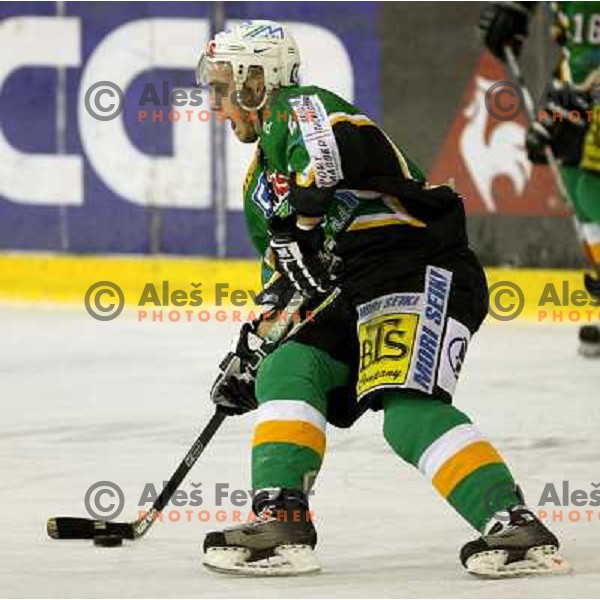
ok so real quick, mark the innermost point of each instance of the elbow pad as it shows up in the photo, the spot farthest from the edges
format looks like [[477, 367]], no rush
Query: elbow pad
[[311, 201]]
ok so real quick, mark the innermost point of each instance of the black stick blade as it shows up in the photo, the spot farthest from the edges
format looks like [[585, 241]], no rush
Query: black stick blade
[[77, 528]]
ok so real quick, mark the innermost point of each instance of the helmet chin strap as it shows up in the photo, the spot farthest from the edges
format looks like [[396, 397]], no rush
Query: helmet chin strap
[[260, 106], [257, 122]]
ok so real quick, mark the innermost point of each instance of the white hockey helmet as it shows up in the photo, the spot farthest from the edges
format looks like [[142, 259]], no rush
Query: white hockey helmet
[[265, 44]]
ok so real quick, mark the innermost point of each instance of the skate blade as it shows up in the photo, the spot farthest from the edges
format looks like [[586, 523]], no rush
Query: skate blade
[[542, 560], [288, 561]]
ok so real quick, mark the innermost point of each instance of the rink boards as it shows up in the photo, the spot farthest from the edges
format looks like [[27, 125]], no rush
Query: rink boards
[[162, 282]]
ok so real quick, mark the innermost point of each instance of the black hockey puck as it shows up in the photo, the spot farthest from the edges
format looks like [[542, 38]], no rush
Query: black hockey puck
[[108, 541]]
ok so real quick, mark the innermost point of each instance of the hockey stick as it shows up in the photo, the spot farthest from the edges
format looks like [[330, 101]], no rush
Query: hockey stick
[[80, 528], [517, 75], [77, 528]]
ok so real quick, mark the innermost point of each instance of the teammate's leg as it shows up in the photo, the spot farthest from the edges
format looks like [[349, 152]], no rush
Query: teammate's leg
[[584, 191]]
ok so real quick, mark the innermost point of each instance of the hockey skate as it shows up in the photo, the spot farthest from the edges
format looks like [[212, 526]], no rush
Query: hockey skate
[[589, 341], [515, 544], [279, 543]]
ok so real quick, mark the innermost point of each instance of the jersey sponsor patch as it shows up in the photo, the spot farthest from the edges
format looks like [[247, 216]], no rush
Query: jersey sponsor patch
[[263, 195], [340, 214], [280, 183], [386, 347], [401, 338], [387, 329], [389, 304], [429, 338], [454, 350], [270, 194], [319, 139]]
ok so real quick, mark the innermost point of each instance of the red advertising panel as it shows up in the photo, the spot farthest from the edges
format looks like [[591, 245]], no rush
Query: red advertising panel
[[484, 150]]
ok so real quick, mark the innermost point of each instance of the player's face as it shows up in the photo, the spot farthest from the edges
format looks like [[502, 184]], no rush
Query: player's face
[[221, 88]]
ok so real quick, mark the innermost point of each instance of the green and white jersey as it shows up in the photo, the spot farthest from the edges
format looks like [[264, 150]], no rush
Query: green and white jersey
[[584, 38], [318, 155], [584, 49]]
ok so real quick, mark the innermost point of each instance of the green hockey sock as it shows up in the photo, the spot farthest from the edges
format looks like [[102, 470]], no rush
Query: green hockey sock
[[289, 437], [445, 446]]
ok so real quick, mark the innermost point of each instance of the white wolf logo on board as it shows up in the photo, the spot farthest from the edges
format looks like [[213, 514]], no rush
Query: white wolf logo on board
[[489, 152]]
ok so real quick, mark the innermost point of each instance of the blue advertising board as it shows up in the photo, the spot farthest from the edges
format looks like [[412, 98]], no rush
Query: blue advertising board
[[142, 181]]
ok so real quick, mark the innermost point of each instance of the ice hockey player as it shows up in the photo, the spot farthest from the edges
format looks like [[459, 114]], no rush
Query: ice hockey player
[[574, 142], [327, 187]]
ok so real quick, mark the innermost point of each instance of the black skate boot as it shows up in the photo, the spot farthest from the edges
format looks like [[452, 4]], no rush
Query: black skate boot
[[279, 542], [515, 543], [589, 341]]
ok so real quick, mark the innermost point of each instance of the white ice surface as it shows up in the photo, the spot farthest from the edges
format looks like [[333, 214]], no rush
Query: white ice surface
[[84, 401]]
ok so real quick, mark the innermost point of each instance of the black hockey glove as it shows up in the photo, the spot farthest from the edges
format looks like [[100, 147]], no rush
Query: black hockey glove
[[276, 295], [504, 24], [537, 139], [300, 256], [557, 127], [233, 390]]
